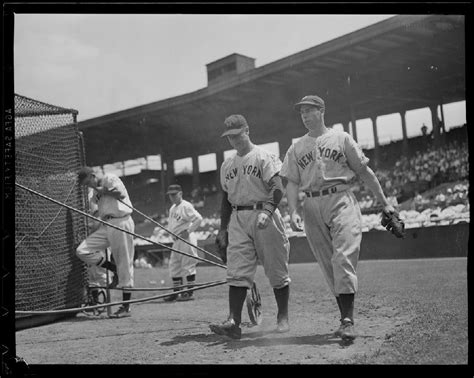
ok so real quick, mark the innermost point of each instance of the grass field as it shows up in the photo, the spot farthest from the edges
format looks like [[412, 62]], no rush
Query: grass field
[[408, 312]]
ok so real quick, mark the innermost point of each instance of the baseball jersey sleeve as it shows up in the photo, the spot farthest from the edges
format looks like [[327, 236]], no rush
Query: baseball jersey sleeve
[[191, 213], [289, 169], [356, 159], [271, 165], [112, 182]]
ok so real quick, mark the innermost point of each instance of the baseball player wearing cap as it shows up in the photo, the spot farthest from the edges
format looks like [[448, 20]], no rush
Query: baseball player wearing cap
[[322, 164], [112, 200], [97, 275], [184, 219], [252, 190]]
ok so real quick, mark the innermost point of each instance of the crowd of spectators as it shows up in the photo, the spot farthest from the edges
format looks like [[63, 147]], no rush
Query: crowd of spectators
[[429, 187]]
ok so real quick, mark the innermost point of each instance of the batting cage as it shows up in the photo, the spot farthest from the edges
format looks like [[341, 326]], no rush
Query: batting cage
[[48, 153]]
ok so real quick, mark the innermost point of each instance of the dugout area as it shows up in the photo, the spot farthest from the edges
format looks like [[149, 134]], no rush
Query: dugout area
[[48, 153]]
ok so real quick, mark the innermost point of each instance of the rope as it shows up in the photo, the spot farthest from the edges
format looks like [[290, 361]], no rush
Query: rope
[[171, 233], [80, 309], [152, 288], [118, 228]]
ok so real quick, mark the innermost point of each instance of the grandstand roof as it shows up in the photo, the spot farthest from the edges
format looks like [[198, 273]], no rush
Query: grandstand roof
[[403, 63]]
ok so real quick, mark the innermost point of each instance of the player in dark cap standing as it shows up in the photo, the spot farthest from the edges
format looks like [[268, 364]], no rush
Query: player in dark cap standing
[[184, 219], [322, 164], [252, 190]]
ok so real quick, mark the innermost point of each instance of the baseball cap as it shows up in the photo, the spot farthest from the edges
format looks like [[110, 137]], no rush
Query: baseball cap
[[311, 100], [173, 189], [83, 173], [234, 125]]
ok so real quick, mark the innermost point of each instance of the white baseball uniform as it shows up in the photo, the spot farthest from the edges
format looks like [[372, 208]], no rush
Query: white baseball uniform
[[91, 250], [181, 217], [332, 221], [245, 179]]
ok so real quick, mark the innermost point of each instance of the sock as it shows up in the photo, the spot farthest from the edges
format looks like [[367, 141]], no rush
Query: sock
[[126, 297], [347, 305], [109, 266], [282, 296], [237, 296], [190, 280], [177, 281], [339, 305]]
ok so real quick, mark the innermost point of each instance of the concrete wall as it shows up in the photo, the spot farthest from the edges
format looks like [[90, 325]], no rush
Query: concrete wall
[[437, 241]]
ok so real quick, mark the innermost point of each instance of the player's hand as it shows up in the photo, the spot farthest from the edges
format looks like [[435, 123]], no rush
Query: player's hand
[[295, 222], [262, 220]]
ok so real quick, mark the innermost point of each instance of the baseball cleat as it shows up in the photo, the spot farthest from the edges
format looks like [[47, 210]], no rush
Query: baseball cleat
[[338, 332], [185, 297], [122, 312], [283, 325], [347, 330], [228, 328], [171, 298]]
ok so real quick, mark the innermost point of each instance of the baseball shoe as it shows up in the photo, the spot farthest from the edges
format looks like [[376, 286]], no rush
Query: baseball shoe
[[122, 312], [347, 330], [228, 328], [338, 332], [283, 325], [171, 298], [186, 297]]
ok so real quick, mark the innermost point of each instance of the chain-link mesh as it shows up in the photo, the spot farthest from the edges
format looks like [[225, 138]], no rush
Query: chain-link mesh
[[49, 276]]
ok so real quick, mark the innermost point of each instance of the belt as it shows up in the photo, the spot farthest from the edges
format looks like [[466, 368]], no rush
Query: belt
[[257, 206], [332, 190]]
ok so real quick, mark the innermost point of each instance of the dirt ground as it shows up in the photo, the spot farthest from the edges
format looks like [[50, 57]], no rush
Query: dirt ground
[[407, 312]]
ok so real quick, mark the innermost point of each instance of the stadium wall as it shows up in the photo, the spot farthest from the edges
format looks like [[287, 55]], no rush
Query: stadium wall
[[425, 242]]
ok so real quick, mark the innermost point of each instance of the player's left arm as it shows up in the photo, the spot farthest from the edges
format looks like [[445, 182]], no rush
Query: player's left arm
[[369, 178], [357, 161], [275, 194], [112, 187]]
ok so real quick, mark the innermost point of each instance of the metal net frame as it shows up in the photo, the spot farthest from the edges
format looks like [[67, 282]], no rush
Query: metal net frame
[[48, 153]]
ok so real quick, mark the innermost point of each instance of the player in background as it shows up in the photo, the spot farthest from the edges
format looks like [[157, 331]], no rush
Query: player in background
[[112, 201], [97, 275], [322, 164], [252, 190], [184, 219]]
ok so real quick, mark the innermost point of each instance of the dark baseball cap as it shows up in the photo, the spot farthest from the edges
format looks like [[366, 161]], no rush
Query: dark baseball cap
[[83, 173], [234, 125], [311, 100], [173, 189]]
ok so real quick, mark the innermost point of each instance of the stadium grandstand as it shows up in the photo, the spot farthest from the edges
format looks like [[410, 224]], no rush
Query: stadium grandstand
[[404, 63]]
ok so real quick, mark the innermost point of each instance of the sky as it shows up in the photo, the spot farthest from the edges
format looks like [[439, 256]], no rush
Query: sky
[[104, 63]]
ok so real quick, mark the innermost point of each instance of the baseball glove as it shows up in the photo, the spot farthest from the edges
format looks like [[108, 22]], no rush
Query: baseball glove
[[254, 305], [222, 241], [393, 223]]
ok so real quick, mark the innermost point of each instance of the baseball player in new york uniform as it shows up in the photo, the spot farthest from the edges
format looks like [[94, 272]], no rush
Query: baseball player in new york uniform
[[184, 219], [252, 190], [323, 164], [109, 195]]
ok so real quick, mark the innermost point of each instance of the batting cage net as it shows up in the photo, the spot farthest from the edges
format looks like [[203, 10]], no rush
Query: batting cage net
[[48, 153]]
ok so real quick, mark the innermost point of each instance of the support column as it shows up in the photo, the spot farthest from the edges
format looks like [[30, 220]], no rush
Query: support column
[[376, 141], [219, 161], [284, 144], [354, 126], [345, 125], [443, 124], [434, 121], [195, 171], [403, 114]]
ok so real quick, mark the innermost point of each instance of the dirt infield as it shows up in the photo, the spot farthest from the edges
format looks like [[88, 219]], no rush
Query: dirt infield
[[407, 312]]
